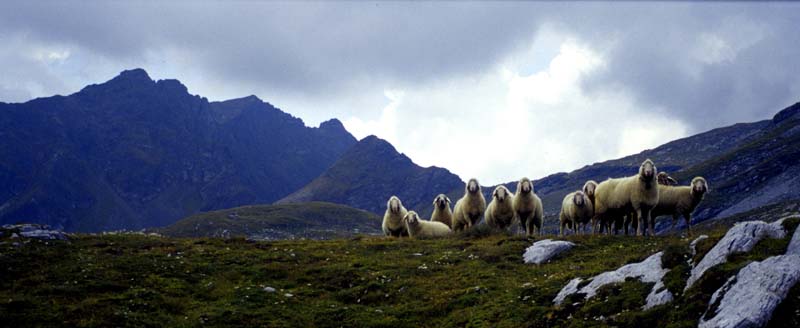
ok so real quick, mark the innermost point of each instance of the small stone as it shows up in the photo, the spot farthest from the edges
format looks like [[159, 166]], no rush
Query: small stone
[[288, 295], [269, 289]]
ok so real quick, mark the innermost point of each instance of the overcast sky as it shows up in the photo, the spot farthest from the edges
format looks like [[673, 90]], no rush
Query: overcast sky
[[488, 90]]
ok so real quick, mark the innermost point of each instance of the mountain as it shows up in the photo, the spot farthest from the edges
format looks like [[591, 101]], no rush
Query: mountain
[[133, 152], [371, 172], [315, 220], [747, 165]]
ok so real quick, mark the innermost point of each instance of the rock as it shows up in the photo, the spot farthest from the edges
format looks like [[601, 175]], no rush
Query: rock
[[749, 298], [693, 244], [658, 295], [14, 235], [794, 245], [543, 250], [288, 295], [36, 231], [269, 289], [648, 271], [569, 289], [741, 238]]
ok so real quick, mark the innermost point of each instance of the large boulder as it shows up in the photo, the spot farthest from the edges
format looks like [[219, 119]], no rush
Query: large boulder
[[741, 238], [648, 271], [749, 298]]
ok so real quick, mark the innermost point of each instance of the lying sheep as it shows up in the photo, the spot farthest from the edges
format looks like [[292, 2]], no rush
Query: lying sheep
[[617, 197], [576, 212], [680, 201], [441, 210], [528, 208], [393, 218], [420, 228], [500, 212], [470, 207]]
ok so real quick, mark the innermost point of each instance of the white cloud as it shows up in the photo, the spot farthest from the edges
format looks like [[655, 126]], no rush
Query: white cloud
[[505, 124]]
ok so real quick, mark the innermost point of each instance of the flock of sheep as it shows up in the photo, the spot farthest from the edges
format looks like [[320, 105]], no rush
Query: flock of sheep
[[634, 201]]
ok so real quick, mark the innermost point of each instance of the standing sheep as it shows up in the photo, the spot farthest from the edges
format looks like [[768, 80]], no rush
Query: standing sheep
[[576, 211], [393, 218], [441, 210], [470, 207], [420, 228], [528, 208], [500, 212], [588, 189], [617, 197], [680, 201]]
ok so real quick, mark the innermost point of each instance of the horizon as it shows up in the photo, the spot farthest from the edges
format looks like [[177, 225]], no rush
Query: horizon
[[530, 92]]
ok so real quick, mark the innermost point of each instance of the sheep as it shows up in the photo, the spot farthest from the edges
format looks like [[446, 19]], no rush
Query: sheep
[[441, 210], [528, 208], [500, 212], [420, 228], [679, 201], [665, 180], [393, 218], [588, 190], [617, 197], [576, 209], [470, 207]]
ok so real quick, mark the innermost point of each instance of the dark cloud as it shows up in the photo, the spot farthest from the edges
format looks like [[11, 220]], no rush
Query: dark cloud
[[322, 49]]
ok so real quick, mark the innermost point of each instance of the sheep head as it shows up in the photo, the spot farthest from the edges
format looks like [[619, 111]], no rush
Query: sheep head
[[441, 201], [411, 218], [500, 193], [473, 186], [579, 198], [589, 187], [524, 186], [394, 204], [647, 171], [699, 186]]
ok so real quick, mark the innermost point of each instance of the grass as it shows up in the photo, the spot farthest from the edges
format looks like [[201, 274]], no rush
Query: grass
[[469, 280]]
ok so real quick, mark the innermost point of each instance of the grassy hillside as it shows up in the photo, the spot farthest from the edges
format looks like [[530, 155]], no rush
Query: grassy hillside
[[314, 220], [474, 280]]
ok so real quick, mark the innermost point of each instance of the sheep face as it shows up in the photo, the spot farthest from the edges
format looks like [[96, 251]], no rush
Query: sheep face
[[500, 193], [394, 204], [664, 179], [473, 186], [441, 201], [647, 171], [579, 198], [589, 187], [525, 186], [411, 218], [699, 186]]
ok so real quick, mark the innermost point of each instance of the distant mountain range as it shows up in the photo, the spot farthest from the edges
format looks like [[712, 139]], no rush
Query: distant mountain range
[[133, 153]]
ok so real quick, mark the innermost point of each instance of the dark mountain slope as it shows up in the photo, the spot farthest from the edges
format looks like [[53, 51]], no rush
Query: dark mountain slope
[[133, 153], [371, 172]]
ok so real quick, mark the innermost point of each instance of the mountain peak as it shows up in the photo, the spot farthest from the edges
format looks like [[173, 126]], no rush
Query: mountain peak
[[787, 113], [332, 124], [133, 75]]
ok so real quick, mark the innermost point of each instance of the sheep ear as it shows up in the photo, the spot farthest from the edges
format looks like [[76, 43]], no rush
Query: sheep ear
[[447, 199]]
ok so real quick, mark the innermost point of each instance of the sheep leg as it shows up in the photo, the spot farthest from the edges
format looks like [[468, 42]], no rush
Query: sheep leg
[[651, 220], [642, 223], [688, 217]]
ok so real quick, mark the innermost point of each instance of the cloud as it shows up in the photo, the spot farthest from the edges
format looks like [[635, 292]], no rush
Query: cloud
[[505, 124], [493, 90]]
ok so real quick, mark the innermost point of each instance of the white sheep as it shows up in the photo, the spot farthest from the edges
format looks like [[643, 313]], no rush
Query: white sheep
[[470, 207], [679, 201], [576, 211], [617, 197], [393, 218], [528, 208], [441, 210], [420, 228], [500, 212]]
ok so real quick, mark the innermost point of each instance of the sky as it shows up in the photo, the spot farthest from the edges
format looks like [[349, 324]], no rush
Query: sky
[[492, 90]]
